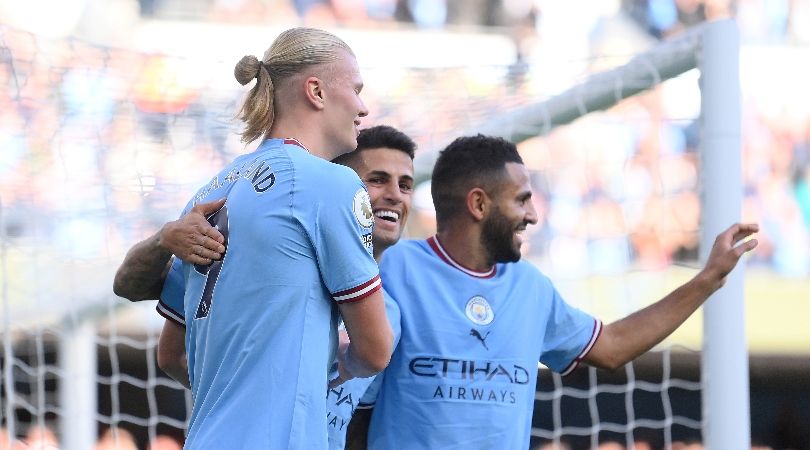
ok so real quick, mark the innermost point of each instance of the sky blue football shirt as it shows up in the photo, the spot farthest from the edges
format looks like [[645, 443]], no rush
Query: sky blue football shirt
[[260, 324], [464, 373]]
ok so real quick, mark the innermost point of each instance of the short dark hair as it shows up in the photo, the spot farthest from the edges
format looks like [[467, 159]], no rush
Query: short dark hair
[[469, 162], [378, 137]]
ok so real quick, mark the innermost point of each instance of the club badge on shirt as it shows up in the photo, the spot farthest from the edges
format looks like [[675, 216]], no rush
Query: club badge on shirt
[[479, 311], [361, 206]]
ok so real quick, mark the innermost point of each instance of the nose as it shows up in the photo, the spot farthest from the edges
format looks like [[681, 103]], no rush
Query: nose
[[392, 193], [531, 213], [363, 109]]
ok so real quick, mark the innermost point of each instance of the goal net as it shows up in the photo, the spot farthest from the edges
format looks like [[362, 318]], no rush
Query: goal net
[[101, 146]]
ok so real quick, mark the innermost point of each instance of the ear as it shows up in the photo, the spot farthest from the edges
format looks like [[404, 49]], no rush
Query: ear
[[478, 203], [314, 92]]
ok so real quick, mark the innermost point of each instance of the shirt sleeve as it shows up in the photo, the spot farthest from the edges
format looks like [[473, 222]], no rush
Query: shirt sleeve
[[341, 231], [170, 304], [570, 335]]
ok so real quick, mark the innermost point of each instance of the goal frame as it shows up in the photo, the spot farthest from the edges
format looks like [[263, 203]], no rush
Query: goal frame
[[713, 48]]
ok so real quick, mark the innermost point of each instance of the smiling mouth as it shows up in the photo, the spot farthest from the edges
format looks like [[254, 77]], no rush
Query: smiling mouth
[[388, 216]]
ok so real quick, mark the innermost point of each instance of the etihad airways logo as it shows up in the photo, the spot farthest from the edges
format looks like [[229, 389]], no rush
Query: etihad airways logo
[[460, 369]]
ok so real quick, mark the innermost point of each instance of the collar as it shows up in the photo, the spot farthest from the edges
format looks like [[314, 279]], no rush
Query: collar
[[434, 243], [293, 141]]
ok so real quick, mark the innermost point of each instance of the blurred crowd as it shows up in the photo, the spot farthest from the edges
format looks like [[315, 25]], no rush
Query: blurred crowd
[[768, 20], [100, 145]]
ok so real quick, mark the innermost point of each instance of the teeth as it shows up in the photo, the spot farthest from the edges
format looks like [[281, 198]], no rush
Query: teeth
[[387, 215]]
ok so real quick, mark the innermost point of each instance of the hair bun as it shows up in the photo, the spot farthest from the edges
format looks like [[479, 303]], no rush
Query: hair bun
[[247, 69]]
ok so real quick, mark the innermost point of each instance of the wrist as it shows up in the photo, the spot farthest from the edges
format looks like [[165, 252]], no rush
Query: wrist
[[707, 282], [161, 241]]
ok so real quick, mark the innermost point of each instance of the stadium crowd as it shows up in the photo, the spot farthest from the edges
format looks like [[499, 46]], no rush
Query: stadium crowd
[[104, 143], [775, 21]]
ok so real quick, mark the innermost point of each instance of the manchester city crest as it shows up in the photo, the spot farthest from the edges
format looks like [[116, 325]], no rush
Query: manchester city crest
[[479, 311]]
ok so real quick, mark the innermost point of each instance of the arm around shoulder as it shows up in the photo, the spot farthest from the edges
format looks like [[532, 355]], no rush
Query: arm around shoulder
[[191, 238], [141, 274]]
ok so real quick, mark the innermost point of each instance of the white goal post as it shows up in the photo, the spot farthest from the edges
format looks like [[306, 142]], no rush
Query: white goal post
[[713, 49]]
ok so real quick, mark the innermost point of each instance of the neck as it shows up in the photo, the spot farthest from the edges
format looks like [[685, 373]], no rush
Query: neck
[[378, 252], [292, 127], [463, 244]]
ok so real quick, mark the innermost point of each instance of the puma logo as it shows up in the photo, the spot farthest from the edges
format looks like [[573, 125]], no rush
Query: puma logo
[[476, 334]]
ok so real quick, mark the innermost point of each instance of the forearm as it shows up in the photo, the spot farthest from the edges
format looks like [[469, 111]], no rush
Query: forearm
[[363, 366], [171, 352], [178, 371], [626, 339], [140, 276], [369, 349]]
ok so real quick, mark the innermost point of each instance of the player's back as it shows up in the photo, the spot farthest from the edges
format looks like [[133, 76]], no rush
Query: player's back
[[260, 323]]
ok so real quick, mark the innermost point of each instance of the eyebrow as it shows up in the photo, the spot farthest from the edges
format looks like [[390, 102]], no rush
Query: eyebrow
[[387, 174]]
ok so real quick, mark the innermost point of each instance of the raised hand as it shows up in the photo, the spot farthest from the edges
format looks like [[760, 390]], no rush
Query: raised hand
[[728, 249]]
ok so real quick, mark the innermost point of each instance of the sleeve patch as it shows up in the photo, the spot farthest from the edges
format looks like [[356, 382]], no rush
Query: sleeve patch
[[361, 207]]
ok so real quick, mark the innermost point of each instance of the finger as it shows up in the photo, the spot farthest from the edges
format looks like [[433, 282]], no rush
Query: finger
[[737, 232], [210, 247], [746, 247], [335, 382], [209, 207], [742, 238], [740, 235], [204, 252], [197, 259], [214, 234]]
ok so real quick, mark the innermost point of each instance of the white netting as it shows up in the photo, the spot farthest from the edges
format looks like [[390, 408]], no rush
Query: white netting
[[646, 401]]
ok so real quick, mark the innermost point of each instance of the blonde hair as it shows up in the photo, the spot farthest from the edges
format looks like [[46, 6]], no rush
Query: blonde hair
[[293, 51]]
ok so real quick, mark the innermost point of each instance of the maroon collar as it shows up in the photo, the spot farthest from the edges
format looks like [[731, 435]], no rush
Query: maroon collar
[[294, 141], [434, 243]]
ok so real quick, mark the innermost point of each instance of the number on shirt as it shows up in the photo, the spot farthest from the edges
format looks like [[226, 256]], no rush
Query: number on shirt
[[218, 220]]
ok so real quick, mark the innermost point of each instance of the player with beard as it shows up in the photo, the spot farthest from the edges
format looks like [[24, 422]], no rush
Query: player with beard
[[475, 320]]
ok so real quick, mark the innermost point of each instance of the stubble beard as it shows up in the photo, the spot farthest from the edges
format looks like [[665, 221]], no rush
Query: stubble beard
[[497, 238]]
